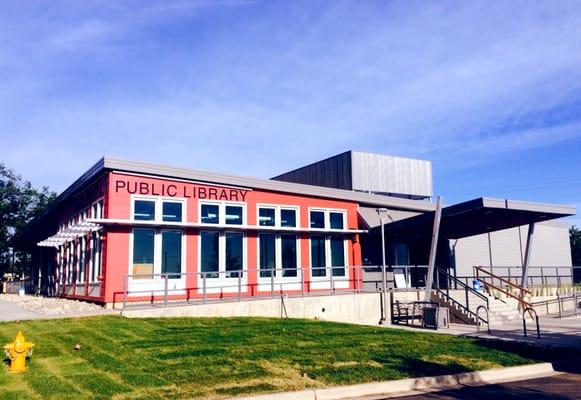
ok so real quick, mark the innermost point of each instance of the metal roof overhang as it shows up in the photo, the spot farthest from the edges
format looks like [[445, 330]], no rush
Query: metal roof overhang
[[479, 216]]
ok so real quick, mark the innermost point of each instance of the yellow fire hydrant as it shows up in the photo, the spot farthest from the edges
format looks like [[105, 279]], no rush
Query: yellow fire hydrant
[[17, 351]]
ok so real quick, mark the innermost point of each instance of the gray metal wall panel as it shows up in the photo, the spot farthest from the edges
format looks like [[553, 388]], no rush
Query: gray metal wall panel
[[550, 248], [388, 174], [334, 172]]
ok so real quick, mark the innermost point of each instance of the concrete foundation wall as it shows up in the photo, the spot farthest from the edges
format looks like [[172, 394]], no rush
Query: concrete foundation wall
[[364, 308]]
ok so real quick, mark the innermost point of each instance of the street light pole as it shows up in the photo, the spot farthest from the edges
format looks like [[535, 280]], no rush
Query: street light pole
[[383, 267]]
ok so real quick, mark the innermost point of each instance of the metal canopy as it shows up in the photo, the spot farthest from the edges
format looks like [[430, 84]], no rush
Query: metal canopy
[[479, 216]]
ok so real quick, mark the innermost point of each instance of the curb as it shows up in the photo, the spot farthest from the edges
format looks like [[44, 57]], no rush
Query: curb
[[431, 383]]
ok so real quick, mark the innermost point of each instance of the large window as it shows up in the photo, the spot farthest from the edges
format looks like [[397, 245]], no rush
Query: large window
[[143, 253], [157, 251], [234, 254], [171, 253], [222, 254], [327, 251], [267, 245], [288, 255], [277, 255], [210, 254], [318, 256], [338, 255]]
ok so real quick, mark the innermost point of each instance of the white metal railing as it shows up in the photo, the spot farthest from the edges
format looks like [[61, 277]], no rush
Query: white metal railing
[[538, 276], [234, 285]]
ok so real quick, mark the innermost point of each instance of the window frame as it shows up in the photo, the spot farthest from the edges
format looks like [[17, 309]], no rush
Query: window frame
[[328, 259], [222, 273], [157, 254], [222, 213], [327, 218], [278, 258], [158, 215], [277, 216], [328, 233]]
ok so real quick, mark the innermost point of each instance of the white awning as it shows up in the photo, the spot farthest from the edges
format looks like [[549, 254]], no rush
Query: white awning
[[69, 234]]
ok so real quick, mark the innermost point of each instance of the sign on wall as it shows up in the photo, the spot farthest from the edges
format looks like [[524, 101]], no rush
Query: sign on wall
[[185, 190]]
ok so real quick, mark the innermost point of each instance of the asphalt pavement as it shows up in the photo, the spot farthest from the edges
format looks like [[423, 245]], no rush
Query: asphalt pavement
[[566, 386]]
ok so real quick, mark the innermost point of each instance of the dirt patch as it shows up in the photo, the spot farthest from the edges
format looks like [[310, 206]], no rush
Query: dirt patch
[[52, 305]]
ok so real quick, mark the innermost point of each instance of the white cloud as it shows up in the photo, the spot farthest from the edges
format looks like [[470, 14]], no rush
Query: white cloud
[[266, 87]]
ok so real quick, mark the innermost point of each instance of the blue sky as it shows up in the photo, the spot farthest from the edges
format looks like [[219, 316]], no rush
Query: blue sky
[[489, 91]]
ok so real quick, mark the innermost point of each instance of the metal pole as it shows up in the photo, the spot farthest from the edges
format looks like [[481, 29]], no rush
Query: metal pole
[[528, 251], [203, 288], [384, 272], [165, 291], [302, 283], [125, 286], [433, 249], [332, 286]]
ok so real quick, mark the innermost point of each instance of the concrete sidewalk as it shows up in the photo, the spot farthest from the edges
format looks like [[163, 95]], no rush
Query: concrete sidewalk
[[564, 332], [10, 311]]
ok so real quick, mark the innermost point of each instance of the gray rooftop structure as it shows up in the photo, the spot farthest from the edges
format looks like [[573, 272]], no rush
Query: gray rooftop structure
[[368, 172]]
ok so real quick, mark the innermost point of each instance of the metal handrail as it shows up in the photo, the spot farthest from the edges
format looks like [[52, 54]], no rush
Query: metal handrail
[[462, 307], [509, 283], [524, 323], [467, 290], [560, 300], [481, 307], [520, 299], [457, 281]]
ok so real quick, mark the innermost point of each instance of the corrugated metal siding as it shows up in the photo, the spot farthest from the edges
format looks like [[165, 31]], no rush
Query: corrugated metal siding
[[505, 248], [471, 251], [388, 174], [551, 245], [550, 248], [334, 172]]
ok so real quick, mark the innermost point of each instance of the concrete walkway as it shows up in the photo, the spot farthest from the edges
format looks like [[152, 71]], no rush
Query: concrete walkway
[[11, 312], [564, 332]]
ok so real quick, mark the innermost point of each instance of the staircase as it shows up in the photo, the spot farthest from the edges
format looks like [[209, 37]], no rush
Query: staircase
[[469, 306], [500, 311]]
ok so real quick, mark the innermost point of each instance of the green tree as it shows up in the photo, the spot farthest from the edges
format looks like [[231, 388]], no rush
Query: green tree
[[19, 203], [575, 238]]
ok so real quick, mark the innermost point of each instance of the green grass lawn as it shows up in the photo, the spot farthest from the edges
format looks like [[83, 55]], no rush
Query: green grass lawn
[[224, 357]]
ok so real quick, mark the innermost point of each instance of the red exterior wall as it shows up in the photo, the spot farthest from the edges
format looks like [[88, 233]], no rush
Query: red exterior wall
[[116, 252]]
